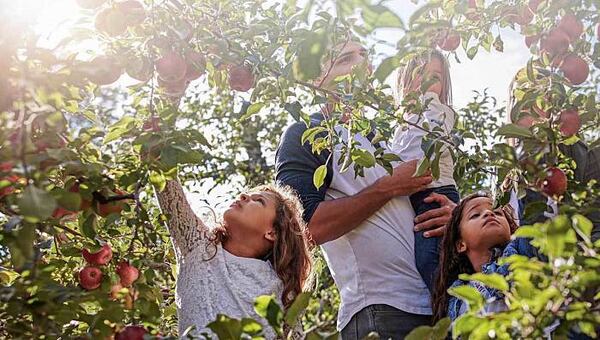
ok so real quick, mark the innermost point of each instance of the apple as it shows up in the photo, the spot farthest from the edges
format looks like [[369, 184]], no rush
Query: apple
[[524, 16], [133, 11], [472, 10], [139, 69], [555, 183], [111, 21], [90, 278], [131, 332], [99, 258], [448, 40], [569, 122], [195, 65], [89, 4], [531, 39], [103, 70], [7, 190], [575, 69], [127, 273], [61, 212], [241, 78], [171, 67], [571, 26], [555, 43], [114, 291], [6, 166]]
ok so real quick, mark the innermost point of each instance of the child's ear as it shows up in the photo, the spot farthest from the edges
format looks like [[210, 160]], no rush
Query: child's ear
[[461, 246], [270, 235]]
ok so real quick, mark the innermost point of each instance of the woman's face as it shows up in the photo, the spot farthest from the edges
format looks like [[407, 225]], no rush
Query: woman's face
[[482, 227], [432, 70], [252, 215]]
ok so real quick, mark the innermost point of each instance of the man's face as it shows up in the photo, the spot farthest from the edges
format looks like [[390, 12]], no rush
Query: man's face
[[351, 54]]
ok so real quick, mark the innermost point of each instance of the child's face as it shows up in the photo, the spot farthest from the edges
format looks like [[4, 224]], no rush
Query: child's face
[[431, 70], [482, 227]]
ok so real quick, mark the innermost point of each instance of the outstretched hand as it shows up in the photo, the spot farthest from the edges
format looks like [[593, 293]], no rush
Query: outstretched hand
[[435, 220]]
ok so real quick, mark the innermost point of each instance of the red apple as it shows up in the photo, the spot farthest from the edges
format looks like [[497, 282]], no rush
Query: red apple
[[90, 278], [241, 78], [99, 258], [7, 190], [171, 67], [114, 291], [524, 16], [61, 212], [111, 21], [569, 122], [571, 26], [575, 69], [555, 183], [127, 273], [89, 4], [555, 43], [103, 70], [531, 39], [132, 332], [6, 166], [196, 65], [133, 11], [448, 40]]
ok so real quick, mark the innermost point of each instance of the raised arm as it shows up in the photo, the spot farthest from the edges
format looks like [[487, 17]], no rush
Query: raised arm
[[186, 229]]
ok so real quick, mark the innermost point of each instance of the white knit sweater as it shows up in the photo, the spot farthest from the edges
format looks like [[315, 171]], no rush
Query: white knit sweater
[[208, 285]]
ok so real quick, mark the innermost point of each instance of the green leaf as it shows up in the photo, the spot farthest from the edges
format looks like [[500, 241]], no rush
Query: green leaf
[[468, 294], [422, 167], [296, 309], [158, 180], [386, 67], [472, 51], [584, 225], [226, 328], [7, 276], [267, 307], [252, 110], [310, 134], [118, 129], [251, 327], [36, 204], [514, 130], [363, 158], [319, 176], [493, 280]]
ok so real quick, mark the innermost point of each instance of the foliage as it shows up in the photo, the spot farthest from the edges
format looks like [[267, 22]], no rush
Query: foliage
[[79, 159]]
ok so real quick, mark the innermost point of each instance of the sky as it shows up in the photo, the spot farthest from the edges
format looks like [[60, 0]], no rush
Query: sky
[[491, 70]]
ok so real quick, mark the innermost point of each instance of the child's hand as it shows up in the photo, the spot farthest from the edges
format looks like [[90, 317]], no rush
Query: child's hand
[[435, 218]]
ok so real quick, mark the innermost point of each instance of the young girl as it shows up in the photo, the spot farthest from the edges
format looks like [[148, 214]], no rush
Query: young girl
[[476, 236], [261, 249], [430, 68]]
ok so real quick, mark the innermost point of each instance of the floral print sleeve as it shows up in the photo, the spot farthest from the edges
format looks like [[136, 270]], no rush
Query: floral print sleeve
[[186, 229]]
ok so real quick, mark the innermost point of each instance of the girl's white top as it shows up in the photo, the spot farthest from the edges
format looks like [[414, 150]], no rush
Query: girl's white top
[[209, 285], [407, 138]]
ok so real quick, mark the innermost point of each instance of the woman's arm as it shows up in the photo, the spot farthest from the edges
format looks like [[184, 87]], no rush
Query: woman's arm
[[186, 229]]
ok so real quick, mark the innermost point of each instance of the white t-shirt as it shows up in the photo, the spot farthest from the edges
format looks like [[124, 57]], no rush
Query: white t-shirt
[[407, 139], [208, 285], [375, 262]]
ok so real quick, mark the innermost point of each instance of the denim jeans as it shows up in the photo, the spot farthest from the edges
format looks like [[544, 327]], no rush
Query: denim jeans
[[427, 250], [387, 321]]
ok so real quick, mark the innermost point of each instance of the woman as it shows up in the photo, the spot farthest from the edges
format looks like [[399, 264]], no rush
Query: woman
[[477, 235], [260, 249]]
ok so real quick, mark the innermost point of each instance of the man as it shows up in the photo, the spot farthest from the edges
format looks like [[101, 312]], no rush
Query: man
[[364, 225]]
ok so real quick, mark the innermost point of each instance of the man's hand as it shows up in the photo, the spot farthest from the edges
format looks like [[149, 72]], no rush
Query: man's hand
[[435, 218], [402, 182]]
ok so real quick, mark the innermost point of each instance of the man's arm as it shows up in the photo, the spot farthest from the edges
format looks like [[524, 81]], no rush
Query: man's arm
[[335, 218], [328, 220]]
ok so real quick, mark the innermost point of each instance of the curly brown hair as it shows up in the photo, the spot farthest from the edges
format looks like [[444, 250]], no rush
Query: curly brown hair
[[291, 255], [452, 263]]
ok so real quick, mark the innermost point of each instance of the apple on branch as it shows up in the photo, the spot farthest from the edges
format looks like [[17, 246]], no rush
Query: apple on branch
[[99, 258], [90, 278]]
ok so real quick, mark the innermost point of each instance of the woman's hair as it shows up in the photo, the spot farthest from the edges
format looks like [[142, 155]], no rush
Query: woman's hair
[[407, 74], [452, 263], [290, 256]]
